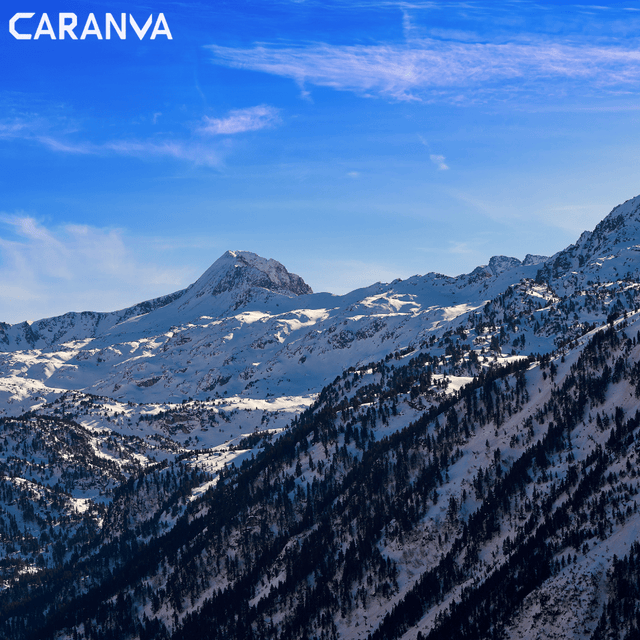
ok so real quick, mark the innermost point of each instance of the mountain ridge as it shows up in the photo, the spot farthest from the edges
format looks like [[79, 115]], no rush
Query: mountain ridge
[[273, 276], [247, 327], [432, 458]]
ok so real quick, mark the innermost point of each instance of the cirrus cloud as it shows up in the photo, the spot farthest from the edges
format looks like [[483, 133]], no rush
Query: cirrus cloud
[[196, 148], [241, 120], [433, 69], [46, 271], [439, 161]]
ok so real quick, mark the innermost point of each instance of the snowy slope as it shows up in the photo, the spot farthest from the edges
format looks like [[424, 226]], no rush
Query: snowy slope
[[249, 329], [434, 457], [403, 505], [244, 328]]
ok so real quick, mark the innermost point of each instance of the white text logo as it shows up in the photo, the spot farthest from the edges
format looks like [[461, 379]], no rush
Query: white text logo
[[68, 24]]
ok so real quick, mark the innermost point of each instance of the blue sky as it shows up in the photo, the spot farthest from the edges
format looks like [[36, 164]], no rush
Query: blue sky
[[352, 141]]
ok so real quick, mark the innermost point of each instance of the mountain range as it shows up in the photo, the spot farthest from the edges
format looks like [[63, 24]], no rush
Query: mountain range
[[433, 457]]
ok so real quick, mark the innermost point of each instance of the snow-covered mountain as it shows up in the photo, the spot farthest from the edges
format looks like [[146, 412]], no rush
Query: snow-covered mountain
[[249, 329], [433, 457], [246, 328]]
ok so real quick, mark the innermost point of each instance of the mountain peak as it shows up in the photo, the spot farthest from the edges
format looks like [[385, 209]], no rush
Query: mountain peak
[[532, 259], [618, 232], [621, 225], [241, 270], [496, 266], [499, 264]]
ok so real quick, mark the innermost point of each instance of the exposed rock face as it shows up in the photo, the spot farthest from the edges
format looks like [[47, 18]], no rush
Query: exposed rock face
[[237, 270], [530, 259]]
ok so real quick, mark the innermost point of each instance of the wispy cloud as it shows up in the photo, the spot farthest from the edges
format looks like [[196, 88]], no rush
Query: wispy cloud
[[461, 248], [11, 129], [434, 69], [55, 144], [439, 162], [193, 151], [46, 271], [194, 148], [40, 131], [241, 120]]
